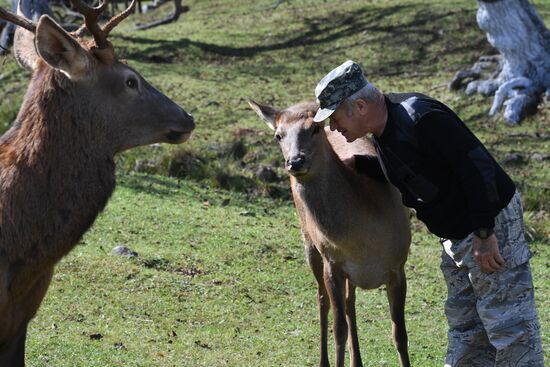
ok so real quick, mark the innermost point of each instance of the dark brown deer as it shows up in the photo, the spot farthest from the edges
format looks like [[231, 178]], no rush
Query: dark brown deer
[[355, 229], [57, 161]]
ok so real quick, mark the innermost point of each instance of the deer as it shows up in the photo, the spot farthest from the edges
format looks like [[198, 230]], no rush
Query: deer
[[356, 231], [81, 108]]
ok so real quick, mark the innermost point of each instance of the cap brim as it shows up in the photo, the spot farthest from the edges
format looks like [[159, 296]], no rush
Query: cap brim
[[323, 113]]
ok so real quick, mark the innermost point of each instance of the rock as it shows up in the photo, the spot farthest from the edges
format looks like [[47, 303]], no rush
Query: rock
[[514, 159], [265, 174], [147, 165], [540, 157], [96, 336], [247, 214], [541, 215], [183, 164], [121, 250]]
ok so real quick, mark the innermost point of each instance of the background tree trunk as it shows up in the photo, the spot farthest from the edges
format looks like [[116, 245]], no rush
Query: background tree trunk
[[32, 9], [178, 10], [6, 37], [522, 72]]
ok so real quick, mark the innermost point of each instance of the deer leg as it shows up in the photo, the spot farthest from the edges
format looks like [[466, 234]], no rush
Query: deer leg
[[397, 291], [12, 353], [335, 283], [316, 263], [355, 354]]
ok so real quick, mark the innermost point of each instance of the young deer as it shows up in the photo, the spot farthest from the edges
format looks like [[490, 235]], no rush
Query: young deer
[[355, 229], [57, 161]]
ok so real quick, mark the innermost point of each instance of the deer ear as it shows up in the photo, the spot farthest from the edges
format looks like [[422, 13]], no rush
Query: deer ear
[[23, 44], [266, 113], [59, 49], [23, 48]]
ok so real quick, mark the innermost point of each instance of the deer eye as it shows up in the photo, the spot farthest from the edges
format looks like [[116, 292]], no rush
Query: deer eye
[[278, 137], [316, 129], [132, 83]]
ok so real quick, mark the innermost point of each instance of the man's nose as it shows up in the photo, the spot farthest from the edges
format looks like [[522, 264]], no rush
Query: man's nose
[[332, 125]]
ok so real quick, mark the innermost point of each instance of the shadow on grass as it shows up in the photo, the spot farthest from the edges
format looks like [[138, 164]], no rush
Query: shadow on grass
[[218, 187], [149, 184], [415, 35]]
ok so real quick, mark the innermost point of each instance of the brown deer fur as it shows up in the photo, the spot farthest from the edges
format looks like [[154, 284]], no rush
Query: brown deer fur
[[355, 229], [56, 162]]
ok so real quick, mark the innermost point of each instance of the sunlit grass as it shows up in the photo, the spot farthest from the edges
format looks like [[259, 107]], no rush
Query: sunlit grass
[[220, 279]]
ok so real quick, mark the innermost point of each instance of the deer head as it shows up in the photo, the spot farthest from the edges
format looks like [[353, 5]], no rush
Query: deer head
[[300, 138], [112, 98]]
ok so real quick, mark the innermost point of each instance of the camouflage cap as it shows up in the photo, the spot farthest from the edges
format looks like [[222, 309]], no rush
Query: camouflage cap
[[336, 86]]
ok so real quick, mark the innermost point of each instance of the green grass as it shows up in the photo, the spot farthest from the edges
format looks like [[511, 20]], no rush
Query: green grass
[[213, 287]]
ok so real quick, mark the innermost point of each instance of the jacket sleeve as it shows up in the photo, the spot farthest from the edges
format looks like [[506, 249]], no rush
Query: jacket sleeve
[[445, 136]]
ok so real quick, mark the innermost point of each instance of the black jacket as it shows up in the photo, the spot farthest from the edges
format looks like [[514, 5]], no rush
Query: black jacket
[[442, 170]]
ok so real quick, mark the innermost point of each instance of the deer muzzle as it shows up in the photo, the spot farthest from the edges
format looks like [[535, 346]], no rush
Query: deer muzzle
[[297, 165]]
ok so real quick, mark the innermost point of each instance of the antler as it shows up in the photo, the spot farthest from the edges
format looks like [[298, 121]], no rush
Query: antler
[[18, 20], [91, 14], [114, 21]]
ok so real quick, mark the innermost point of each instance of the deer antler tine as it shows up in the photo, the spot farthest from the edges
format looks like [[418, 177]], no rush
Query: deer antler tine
[[114, 21], [101, 7], [91, 14], [80, 31], [84, 8], [18, 20]]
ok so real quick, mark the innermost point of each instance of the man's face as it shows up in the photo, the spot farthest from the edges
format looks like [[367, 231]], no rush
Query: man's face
[[365, 118], [349, 126]]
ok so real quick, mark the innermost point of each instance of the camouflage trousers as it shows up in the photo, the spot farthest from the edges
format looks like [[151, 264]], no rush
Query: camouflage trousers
[[492, 317]]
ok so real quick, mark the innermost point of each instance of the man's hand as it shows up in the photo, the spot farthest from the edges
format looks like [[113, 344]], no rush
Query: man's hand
[[486, 254]]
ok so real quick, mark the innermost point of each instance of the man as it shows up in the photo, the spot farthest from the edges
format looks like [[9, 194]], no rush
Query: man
[[463, 196]]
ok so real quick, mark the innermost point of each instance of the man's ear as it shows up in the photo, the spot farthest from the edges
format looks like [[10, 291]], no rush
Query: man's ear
[[361, 105], [59, 49], [266, 113]]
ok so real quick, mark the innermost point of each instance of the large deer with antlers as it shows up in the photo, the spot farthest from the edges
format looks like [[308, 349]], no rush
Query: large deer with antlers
[[57, 161], [355, 229]]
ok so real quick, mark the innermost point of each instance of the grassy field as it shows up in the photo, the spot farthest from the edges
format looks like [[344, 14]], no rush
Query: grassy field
[[220, 279]]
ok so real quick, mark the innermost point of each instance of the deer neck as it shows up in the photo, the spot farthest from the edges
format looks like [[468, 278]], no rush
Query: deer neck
[[56, 120], [55, 178], [328, 190]]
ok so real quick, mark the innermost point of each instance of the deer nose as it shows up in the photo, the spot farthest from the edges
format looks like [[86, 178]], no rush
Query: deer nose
[[188, 115], [296, 163], [189, 120]]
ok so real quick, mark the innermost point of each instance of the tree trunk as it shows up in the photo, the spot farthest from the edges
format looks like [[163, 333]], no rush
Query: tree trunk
[[178, 10], [523, 71], [32, 9], [6, 36]]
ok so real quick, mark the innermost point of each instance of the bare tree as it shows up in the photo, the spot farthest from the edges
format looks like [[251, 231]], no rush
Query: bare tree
[[520, 74], [178, 10], [31, 9]]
